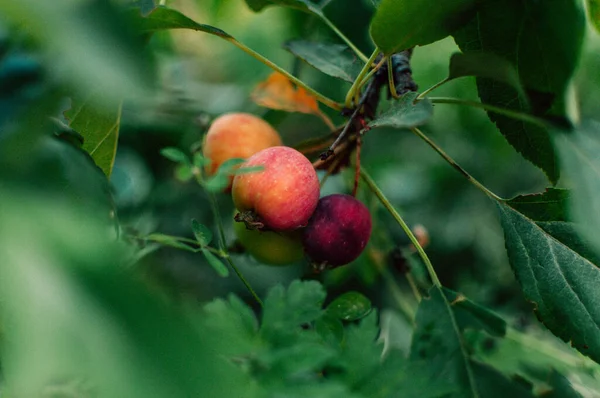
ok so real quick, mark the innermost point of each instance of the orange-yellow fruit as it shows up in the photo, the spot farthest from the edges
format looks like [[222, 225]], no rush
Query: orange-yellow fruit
[[237, 135]]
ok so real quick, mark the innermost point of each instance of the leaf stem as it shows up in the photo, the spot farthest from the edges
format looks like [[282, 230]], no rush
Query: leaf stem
[[430, 89], [358, 81], [320, 97], [452, 163], [405, 309], [413, 287], [386, 203], [491, 108], [222, 241], [244, 281], [349, 43]]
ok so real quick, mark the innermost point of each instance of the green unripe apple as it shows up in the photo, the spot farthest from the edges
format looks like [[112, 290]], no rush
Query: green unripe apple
[[269, 247]]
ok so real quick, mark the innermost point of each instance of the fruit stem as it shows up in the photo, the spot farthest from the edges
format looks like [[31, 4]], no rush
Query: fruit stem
[[430, 89], [491, 108], [452, 163], [386, 203], [320, 97], [342, 36], [359, 79]]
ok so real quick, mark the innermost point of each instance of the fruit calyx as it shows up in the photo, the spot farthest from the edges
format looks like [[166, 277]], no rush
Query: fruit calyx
[[251, 220]]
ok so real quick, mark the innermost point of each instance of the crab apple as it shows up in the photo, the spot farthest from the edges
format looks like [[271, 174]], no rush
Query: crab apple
[[236, 135], [283, 195], [338, 230], [270, 247]]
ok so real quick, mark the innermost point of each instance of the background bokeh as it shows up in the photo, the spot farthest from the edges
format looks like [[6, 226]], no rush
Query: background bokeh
[[202, 77]]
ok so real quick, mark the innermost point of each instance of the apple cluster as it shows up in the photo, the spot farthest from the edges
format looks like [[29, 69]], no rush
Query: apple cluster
[[280, 216]]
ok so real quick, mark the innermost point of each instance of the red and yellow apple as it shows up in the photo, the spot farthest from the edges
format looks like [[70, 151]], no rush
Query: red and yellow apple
[[283, 195]]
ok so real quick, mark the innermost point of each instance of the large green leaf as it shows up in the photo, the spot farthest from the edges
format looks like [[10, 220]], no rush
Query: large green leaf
[[472, 315], [561, 284], [549, 211], [437, 339], [543, 41], [302, 5], [99, 128], [490, 66], [402, 24], [162, 18], [332, 59], [580, 156]]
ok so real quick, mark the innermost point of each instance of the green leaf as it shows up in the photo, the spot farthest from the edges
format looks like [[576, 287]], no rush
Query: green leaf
[[216, 263], [397, 377], [402, 24], [551, 205], [217, 183], [543, 42], [234, 322], [302, 5], [202, 233], [549, 211], [332, 59], [294, 360], [247, 170], [184, 172], [230, 164], [200, 161], [438, 341], [489, 66], [350, 306], [229, 168], [561, 284], [286, 310], [495, 385], [168, 240], [360, 353], [580, 155], [175, 154], [594, 12], [472, 315], [404, 114], [162, 18], [330, 329], [99, 128]]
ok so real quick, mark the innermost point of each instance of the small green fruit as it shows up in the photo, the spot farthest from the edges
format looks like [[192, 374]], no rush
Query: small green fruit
[[269, 247]]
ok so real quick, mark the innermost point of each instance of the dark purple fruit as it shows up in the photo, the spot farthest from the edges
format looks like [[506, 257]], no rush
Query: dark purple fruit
[[338, 231]]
